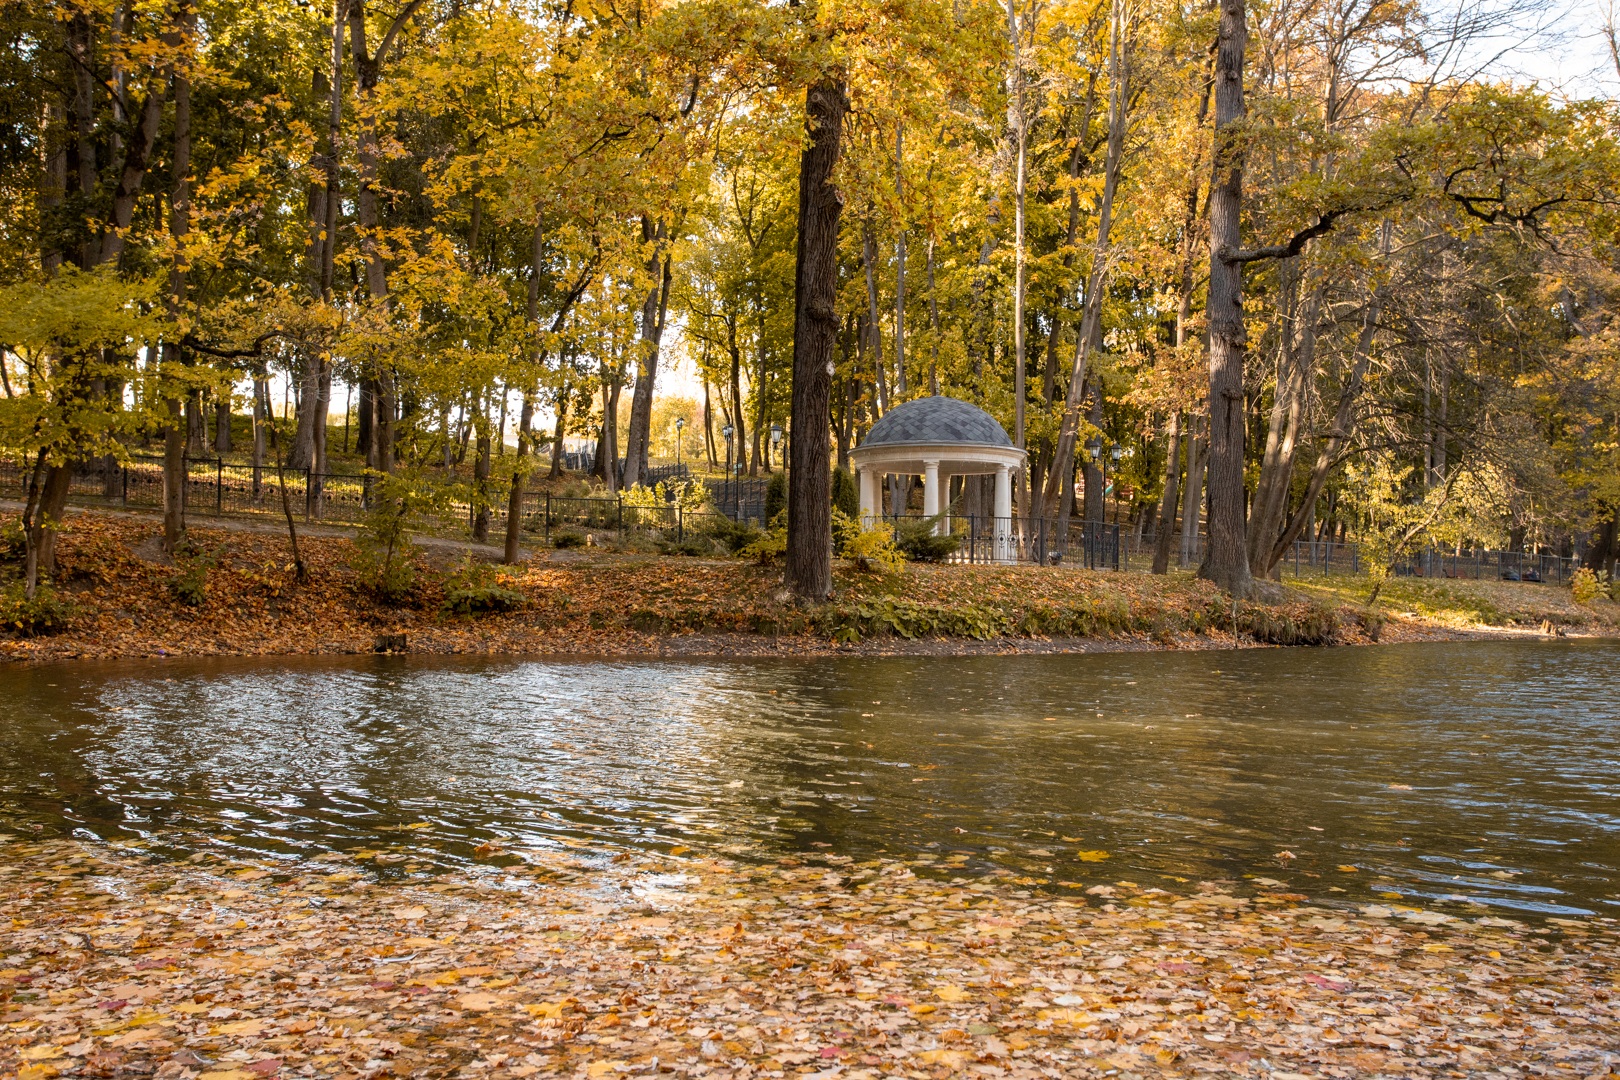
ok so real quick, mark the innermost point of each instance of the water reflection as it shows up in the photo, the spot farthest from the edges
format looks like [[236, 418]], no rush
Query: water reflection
[[1452, 774]]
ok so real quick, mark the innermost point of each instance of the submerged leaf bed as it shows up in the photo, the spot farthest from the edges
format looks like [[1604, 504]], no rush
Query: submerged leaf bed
[[117, 964]]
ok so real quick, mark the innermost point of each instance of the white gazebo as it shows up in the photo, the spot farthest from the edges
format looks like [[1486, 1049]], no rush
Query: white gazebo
[[938, 438]]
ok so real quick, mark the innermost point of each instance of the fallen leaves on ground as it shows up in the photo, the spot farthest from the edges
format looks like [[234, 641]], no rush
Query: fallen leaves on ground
[[111, 568], [120, 965]]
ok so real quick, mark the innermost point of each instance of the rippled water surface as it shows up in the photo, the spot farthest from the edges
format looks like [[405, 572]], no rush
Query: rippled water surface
[[1456, 774]]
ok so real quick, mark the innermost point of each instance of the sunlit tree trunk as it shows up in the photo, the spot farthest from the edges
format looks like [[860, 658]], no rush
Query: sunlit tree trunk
[[815, 335], [1226, 560]]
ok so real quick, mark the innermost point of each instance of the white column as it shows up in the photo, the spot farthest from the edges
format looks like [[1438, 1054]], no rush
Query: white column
[[1003, 512], [930, 488], [869, 493]]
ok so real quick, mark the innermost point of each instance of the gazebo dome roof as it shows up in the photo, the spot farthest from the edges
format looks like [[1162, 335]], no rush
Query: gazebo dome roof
[[935, 420]]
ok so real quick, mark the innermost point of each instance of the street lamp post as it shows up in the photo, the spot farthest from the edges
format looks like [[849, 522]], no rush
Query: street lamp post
[[1094, 449], [726, 431], [776, 439], [680, 425], [1114, 453]]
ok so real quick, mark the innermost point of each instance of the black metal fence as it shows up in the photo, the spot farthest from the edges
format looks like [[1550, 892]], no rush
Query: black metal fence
[[217, 488], [1005, 540], [1324, 558], [211, 487], [739, 499]]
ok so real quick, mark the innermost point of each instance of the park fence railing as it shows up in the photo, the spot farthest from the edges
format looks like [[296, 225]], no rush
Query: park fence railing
[[214, 487], [1326, 558], [986, 540], [211, 487], [740, 499]]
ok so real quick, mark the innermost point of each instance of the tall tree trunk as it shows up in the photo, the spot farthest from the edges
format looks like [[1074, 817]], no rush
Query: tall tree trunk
[[1194, 502], [1021, 135], [653, 310], [557, 437], [1296, 366], [900, 261], [1338, 434], [761, 446], [174, 450], [365, 414], [520, 473], [481, 464], [1226, 560], [261, 416], [222, 422], [738, 435], [323, 411], [1172, 494], [933, 325], [301, 454], [708, 421], [1096, 506], [1090, 331], [367, 67], [815, 336]]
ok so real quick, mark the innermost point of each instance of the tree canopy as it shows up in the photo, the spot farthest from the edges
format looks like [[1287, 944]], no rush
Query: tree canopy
[[1311, 271]]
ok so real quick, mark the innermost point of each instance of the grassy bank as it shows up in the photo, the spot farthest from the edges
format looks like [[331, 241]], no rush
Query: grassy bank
[[1472, 605], [236, 596], [118, 965]]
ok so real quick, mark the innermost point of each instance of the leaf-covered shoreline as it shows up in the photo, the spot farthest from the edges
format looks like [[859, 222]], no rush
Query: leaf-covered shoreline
[[123, 605], [118, 964]]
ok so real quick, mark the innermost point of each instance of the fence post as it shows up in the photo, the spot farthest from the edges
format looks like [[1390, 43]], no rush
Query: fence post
[[126, 487], [548, 518], [680, 525], [621, 517], [219, 485]]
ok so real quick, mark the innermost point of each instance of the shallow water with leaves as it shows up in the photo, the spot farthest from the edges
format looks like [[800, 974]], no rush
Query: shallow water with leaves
[[1464, 777]]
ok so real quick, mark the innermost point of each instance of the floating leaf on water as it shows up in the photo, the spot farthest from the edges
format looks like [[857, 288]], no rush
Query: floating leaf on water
[[1091, 856]]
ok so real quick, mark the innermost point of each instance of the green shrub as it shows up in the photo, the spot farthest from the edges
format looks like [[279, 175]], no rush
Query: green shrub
[[384, 557], [845, 495], [909, 619], [770, 545], [477, 589], [567, 538], [1588, 585], [13, 544], [46, 613], [385, 574], [918, 541], [190, 585], [869, 546], [776, 492], [690, 546], [639, 543], [734, 535]]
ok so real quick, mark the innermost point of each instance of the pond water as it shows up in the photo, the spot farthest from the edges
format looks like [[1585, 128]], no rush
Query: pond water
[[1449, 776]]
